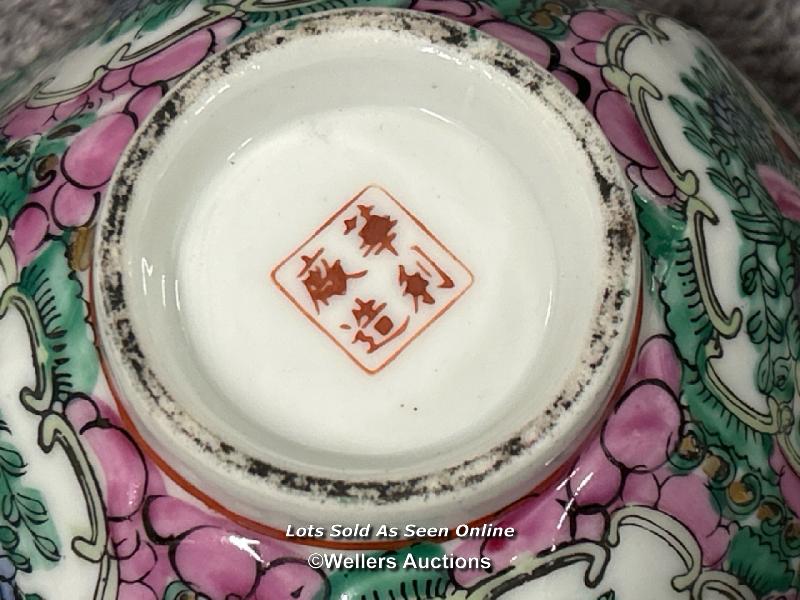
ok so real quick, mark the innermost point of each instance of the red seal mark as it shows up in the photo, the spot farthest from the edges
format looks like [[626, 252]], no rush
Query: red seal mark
[[372, 278]]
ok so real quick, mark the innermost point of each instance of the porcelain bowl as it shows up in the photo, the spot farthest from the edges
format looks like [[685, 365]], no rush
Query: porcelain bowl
[[369, 299]]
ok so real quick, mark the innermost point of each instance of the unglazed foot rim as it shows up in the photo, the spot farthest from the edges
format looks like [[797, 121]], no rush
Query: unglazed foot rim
[[302, 483]]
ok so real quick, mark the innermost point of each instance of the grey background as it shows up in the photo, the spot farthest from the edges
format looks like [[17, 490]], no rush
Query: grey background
[[761, 36]]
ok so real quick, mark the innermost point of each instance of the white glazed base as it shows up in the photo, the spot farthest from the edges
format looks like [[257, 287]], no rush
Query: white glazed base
[[445, 387], [485, 176]]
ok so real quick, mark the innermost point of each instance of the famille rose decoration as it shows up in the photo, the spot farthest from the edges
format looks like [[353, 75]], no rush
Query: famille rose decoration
[[391, 299]]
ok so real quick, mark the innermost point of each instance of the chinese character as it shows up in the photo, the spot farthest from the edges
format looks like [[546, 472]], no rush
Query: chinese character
[[446, 282], [416, 284], [367, 314], [323, 282], [416, 287], [376, 233], [404, 278]]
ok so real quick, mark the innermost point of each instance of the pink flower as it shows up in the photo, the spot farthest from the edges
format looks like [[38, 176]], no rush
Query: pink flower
[[642, 431], [135, 591], [688, 499], [783, 192], [121, 461], [595, 25], [594, 479], [637, 438], [216, 562], [657, 360], [641, 489], [23, 121], [592, 27], [520, 38], [219, 559], [126, 478], [789, 480], [583, 52], [121, 99], [92, 156], [174, 60], [28, 231], [466, 11]]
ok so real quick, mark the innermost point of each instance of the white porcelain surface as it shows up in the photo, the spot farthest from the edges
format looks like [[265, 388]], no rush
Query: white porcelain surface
[[490, 184], [687, 486]]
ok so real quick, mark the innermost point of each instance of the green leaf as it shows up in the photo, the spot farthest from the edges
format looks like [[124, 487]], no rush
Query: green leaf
[[793, 333], [31, 506], [168, 10], [741, 188], [758, 228], [680, 107], [691, 85], [9, 509], [719, 429], [20, 561], [19, 158], [757, 564], [36, 519], [11, 461], [15, 162], [140, 16], [28, 531], [748, 272], [698, 141], [721, 181], [757, 327], [785, 259], [57, 295], [33, 520], [177, 589], [774, 326], [764, 375], [768, 282], [8, 538], [665, 238], [47, 548], [783, 390]]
